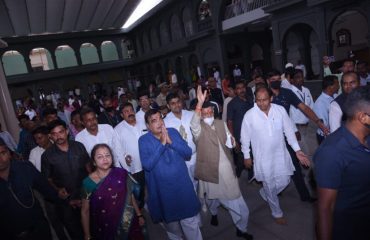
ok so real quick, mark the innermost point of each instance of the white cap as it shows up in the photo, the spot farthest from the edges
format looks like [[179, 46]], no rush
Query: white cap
[[289, 65]]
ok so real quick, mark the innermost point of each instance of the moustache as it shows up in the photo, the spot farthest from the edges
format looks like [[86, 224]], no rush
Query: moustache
[[131, 115]]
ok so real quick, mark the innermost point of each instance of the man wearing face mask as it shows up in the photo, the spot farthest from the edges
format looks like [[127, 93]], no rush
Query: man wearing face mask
[[342, 166], [286, 98], [214, 166], [109, 115]]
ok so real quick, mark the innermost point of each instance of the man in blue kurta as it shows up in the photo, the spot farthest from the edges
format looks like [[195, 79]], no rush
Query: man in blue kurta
[[171, 196]]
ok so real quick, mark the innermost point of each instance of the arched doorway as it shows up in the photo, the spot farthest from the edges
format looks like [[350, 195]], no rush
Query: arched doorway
[[300, 44], [346, 38], [256, 55], [89, 53], [65, 56], [13, 63], [40, 59]]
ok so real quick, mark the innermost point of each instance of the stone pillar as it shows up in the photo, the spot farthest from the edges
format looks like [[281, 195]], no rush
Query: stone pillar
[[27, 60], [78, 55], [53, 58], [278, 51], [117, 42], [98, 49], [8, 118]]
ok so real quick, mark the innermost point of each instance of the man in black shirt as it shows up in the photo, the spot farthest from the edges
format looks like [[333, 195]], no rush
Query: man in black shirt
[[65, 166], [215, 94], [21, 216], [109, 115], [236, 109], [285, 97]]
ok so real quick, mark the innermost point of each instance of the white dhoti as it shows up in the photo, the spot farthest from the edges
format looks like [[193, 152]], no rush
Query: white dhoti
[[237, 208], [270, 190], [188, 226], [191, 168]]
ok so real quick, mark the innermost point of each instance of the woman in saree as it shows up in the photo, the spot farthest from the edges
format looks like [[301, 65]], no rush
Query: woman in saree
[[109, 210]]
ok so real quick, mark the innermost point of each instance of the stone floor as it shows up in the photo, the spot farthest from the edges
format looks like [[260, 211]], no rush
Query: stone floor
[[299, 215]]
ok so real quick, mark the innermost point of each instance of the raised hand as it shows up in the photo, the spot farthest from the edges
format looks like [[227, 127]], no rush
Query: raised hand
[[167, 137], [163, 137], [201, 96]]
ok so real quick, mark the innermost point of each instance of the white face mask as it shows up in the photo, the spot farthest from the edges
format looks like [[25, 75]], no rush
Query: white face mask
[[209, 120]]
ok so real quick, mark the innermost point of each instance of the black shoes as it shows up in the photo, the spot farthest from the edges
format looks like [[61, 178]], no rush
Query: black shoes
[[244, 235], [214, 220]]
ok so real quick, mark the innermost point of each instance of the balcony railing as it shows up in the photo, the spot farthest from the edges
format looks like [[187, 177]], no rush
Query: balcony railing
[[239, 7]]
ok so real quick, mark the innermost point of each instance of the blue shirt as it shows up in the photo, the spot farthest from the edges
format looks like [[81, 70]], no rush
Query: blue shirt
[[321, 108], [235, 113], [171, 195], [286, 98], [343, 163]]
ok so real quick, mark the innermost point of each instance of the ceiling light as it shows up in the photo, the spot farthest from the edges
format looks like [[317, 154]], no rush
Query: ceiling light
[[142, 8]]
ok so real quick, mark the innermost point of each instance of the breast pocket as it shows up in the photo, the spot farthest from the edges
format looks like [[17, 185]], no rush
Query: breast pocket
[[277, 124]]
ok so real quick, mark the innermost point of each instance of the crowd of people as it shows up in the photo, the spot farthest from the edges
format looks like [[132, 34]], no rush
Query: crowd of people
[[99, 165]]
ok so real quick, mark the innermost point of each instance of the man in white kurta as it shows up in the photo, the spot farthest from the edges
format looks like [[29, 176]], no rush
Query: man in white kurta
[[95, 133], [144, 103], [264, 127], [128, 132], [180, 119]]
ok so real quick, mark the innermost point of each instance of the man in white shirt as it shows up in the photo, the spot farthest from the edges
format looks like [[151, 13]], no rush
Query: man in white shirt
[[41, 136], [348, 66], [330, 86], [161, 98], [180, 119], [95, 133], [363, 72], [144, 103], [301, 66], [350, 81], [237, 73], [131, 100], [8, 139], [288, 77], [298, 117], [216, 76], [264, 128], [128, 133]]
